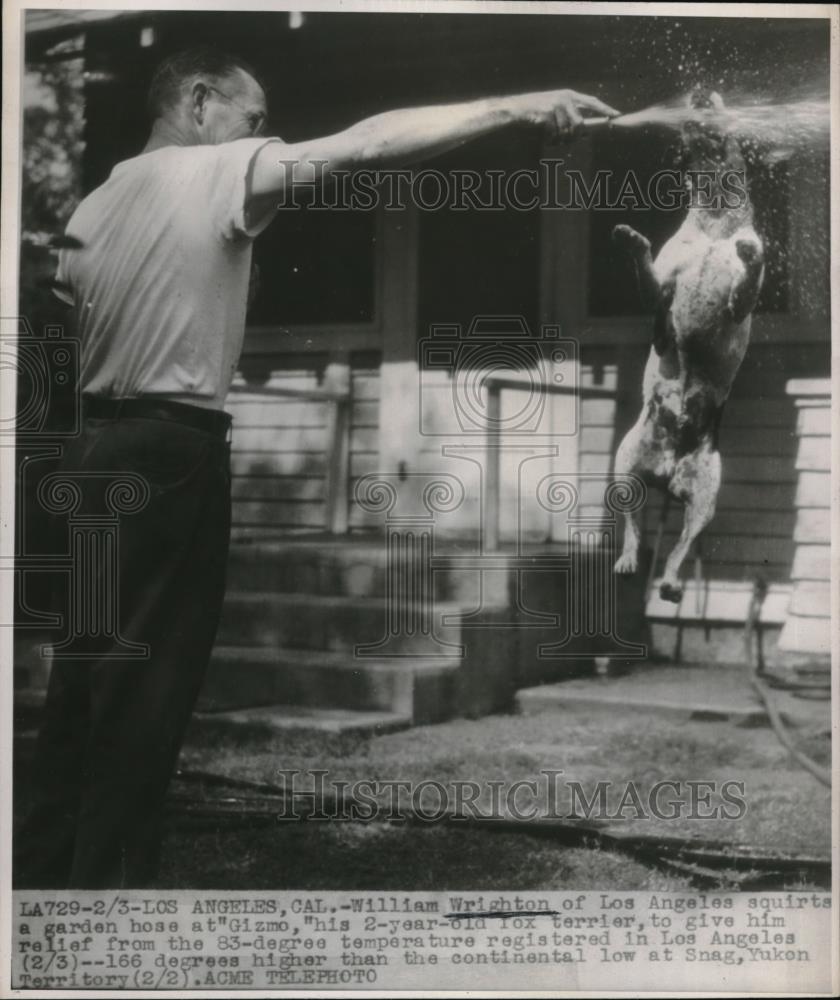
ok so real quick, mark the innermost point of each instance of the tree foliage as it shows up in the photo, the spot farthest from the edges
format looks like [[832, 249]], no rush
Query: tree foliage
[[51, 175]]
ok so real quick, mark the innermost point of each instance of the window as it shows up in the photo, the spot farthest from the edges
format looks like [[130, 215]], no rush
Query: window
[[479, 262], [316, 266]]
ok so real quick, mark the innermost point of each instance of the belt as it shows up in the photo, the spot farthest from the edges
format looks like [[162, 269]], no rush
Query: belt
[[215, 422]]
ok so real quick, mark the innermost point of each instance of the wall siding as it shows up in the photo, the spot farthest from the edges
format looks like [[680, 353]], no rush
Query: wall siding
[[808, 626], [752, 533]]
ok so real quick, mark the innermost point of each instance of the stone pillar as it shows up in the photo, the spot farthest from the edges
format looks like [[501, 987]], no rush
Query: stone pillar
[[807, 628]]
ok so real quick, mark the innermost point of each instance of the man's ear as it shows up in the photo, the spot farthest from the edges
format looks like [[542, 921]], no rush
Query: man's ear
[[199, 101]]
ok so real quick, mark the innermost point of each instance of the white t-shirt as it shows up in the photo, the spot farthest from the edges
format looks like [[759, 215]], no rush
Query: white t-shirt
[[160, 284]]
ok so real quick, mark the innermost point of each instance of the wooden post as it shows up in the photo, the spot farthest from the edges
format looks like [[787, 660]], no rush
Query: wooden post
[[337, 380], [492, 484], [399, 401]]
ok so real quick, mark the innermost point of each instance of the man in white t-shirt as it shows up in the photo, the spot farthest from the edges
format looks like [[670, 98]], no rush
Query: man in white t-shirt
[[158, 288]]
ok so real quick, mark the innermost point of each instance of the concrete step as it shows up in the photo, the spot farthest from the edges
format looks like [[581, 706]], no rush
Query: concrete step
[[328, 596], [689, 692], [349, 568], [294, 719], [421, 689], [339, 624], [557, 697], [295, 567]]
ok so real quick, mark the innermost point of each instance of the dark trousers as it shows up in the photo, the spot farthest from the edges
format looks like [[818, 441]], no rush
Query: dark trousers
[[114, 721]]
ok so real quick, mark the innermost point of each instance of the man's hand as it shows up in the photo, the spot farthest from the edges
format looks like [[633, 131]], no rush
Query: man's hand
[[559, 110]]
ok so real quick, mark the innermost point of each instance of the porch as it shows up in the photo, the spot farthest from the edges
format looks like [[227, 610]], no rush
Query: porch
[[341, 385]]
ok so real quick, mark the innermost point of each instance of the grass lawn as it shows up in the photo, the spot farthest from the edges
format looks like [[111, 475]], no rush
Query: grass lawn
[[786, 809]]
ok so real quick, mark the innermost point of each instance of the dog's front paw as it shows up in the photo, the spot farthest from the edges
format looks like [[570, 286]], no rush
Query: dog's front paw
[[629, 239], [626, 564], [749, 251], [672, 592]]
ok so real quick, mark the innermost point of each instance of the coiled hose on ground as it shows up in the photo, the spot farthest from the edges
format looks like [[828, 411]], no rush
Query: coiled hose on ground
[[757, 674]]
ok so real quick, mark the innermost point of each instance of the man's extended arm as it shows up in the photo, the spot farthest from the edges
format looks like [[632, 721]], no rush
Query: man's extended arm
[[406, 136]]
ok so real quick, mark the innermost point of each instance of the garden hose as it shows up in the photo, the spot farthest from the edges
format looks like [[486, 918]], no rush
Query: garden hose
[[758, 675]]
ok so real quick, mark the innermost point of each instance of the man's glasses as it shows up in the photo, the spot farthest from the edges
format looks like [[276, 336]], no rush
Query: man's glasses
[[255, 119]]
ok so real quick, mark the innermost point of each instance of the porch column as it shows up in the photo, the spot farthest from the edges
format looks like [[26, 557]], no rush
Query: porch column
[[807, 628], [399, 406]]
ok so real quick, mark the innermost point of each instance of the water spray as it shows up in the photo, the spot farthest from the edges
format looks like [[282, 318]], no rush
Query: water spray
[[797, 123]]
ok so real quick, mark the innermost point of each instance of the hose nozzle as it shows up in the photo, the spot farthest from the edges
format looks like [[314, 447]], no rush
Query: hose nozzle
[[589, 123]]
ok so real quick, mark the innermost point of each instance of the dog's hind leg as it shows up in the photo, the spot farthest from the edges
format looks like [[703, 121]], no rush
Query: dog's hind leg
[[696, 481], [628, 562], [625, 463]]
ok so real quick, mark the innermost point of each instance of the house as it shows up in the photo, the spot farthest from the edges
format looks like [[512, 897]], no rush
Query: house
[[375, 330]]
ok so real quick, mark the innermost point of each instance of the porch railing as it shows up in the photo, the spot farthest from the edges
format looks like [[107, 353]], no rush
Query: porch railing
[[495, 430], [338, 445], [339, 404]]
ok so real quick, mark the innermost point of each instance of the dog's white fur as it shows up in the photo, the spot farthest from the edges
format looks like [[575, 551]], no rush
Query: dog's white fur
[[703, 286]]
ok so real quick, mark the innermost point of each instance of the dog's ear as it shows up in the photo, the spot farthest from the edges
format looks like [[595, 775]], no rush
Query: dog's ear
[[779, 154]]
